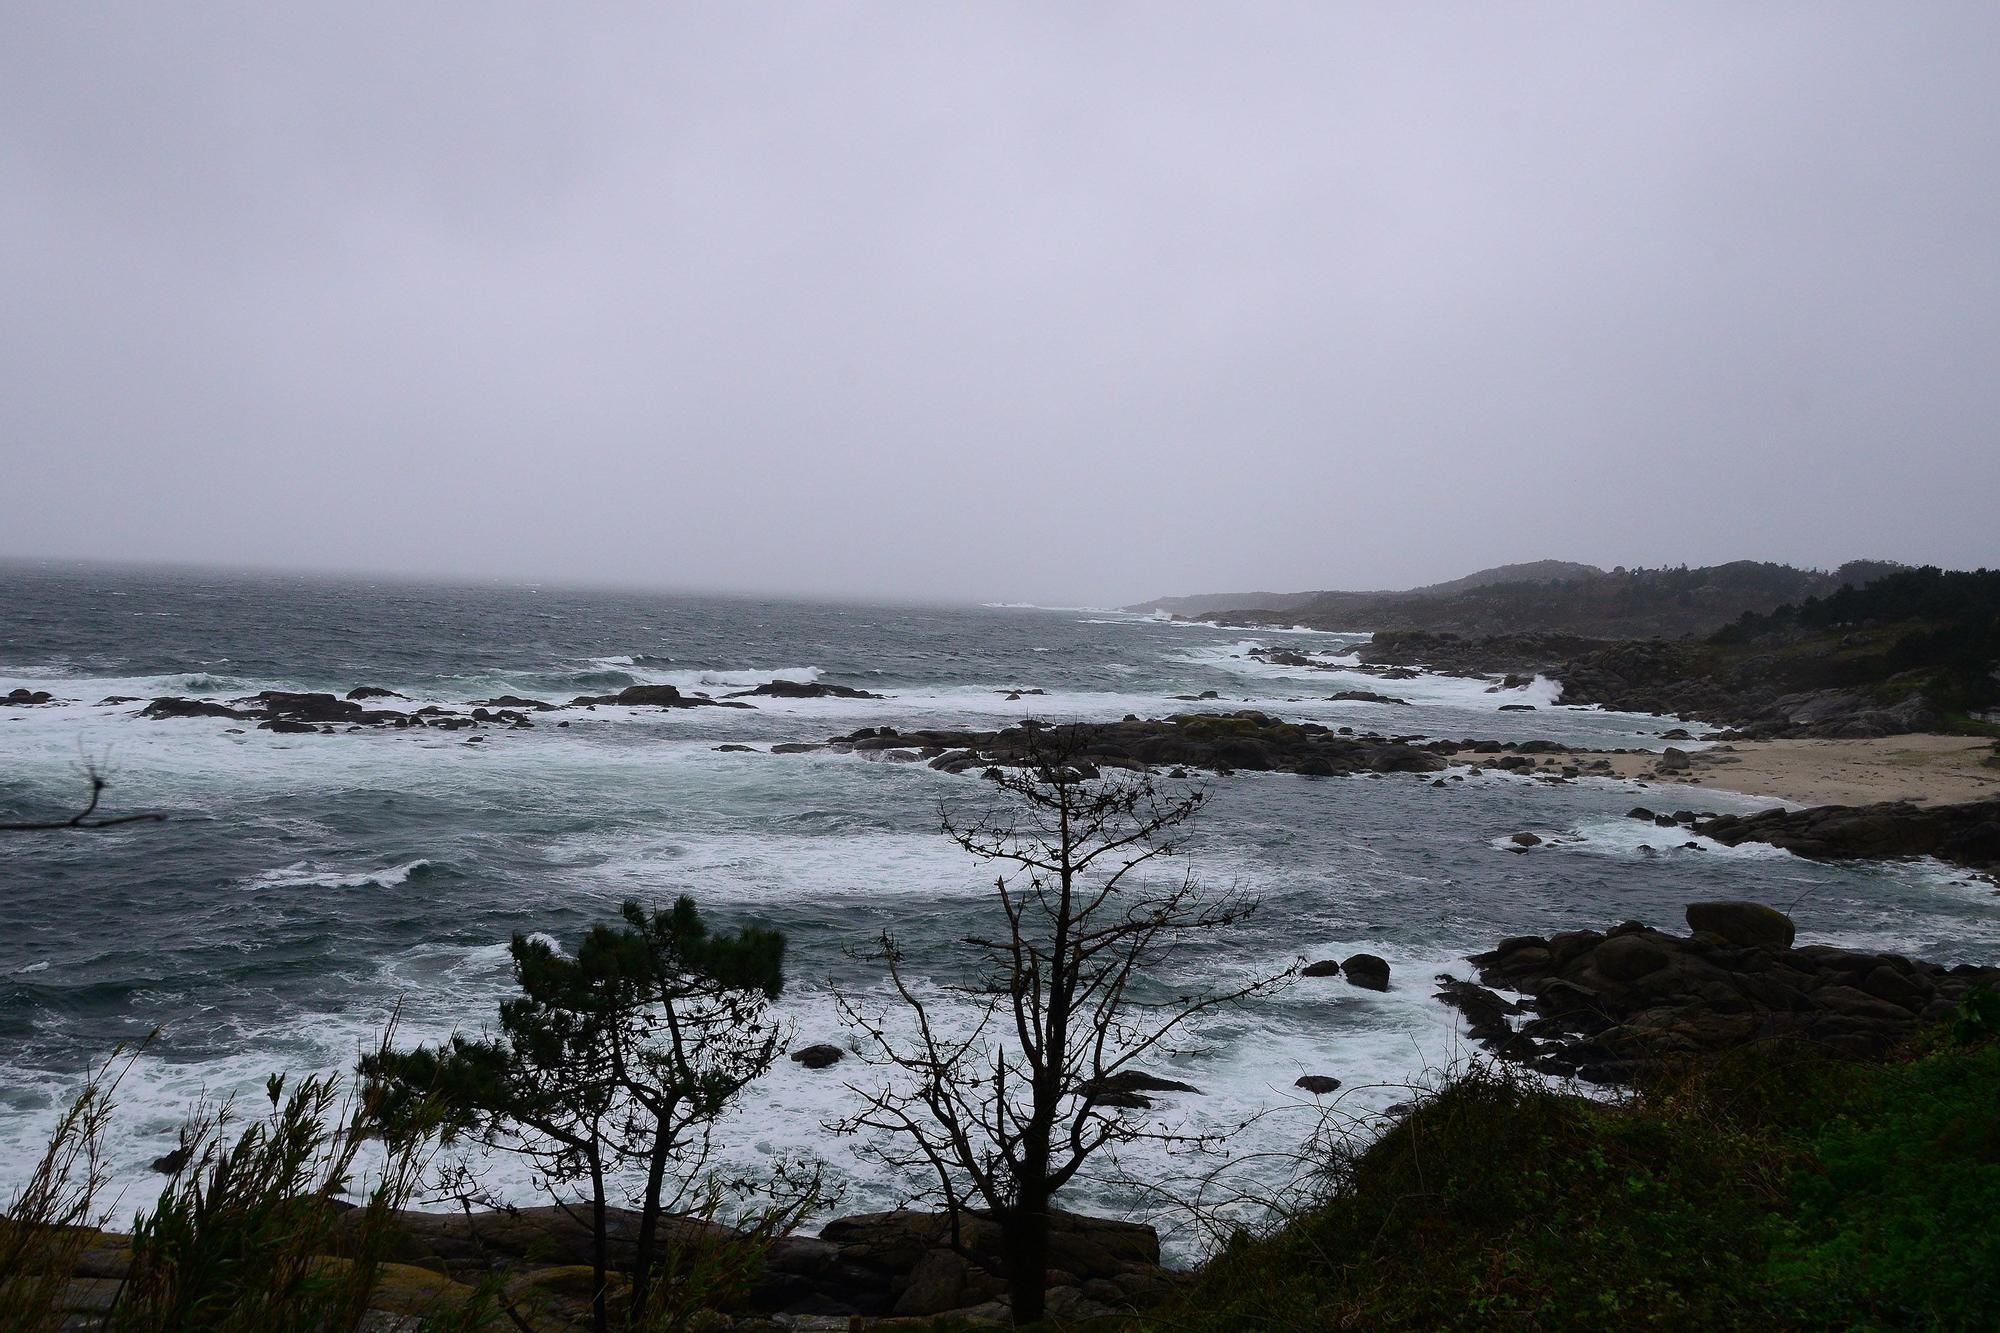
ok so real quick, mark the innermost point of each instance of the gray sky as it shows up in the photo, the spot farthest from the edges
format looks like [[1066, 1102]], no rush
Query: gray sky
[[1028, 301]]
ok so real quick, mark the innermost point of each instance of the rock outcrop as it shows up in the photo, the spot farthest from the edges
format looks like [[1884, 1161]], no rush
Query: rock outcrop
[[1219, 742], [1966, 835], [1618, 1005], [654, 696], [791, 689]]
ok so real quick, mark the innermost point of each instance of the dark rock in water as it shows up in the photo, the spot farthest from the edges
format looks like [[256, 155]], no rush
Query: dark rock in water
[[1366, 697], [110, 699], [517, 701], [733, 748], [1483, 1010], [1748, 925], [1640, 812], [1317, 1084], [168, 1164], [796, 747], [1366, 971], [1525, 840], [1677, 734], [289, 726], [1967, 834], [317, 708], [373, 692], [23, 698], [1517, 708], [1326, 967], [819, 1056], [173, 707], [654, 696], [791, 689], [1245, 741], [1198, 698], [1132, 1081]]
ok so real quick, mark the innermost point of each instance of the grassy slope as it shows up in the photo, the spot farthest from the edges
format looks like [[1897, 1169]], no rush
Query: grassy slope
[[1765, 1193]]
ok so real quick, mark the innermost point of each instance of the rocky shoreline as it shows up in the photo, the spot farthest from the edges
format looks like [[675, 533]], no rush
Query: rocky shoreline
[[1675, 678], [307, 713], [1629, 1003]]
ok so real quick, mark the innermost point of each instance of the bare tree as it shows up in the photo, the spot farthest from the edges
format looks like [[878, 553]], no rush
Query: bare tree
[[82, 819], [1005, 1108]]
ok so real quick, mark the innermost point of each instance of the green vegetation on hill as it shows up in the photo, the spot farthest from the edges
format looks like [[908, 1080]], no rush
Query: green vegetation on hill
[[1772, 1190], [1556, 597], [1939, 629]]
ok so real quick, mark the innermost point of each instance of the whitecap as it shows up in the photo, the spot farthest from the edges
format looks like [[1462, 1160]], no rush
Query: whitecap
[[309, 875]]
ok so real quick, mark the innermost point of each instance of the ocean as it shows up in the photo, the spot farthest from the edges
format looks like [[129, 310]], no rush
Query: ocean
[[306, 886]]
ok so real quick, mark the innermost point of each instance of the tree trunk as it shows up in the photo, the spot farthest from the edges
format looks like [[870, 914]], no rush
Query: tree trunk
[[1025, 1236], [649, 1226], [600, 1250]]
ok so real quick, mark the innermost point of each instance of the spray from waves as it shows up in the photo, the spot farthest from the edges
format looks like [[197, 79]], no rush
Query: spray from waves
[[313, 875], [642, 669]]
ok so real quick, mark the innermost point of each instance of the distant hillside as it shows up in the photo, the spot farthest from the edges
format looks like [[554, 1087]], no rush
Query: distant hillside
[[1204, 604], [1201, 604], [1552, 596]]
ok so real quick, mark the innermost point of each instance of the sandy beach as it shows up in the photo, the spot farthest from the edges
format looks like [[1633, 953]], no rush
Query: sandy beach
[[1922, 768]]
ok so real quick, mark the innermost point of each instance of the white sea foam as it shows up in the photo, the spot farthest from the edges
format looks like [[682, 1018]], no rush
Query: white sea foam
[[312, 875]]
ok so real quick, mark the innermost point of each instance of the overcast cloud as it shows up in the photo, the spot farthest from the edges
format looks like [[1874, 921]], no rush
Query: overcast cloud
[[1054, 302]]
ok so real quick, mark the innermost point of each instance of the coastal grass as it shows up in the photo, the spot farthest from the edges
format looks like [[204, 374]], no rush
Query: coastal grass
[[1775, 1188]]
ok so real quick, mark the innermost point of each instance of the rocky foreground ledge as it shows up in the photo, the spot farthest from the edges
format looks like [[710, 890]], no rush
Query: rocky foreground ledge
[[889, 1270], [1621, 1005]]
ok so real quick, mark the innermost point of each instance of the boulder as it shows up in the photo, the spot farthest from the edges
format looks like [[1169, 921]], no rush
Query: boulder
[[1325, 967], [819, 1056], [1317, 1084], [1367, 971], [1746, 924], [1673, 759], [1627, 958]]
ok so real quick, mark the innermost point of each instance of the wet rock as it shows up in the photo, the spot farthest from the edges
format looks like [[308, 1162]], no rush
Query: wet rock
[[654, 696], [174, 707], [791, 689], [1966, 834], [1366, 697], [1326, 967], [1133, 1081], [819, 1056], [1366, 971], [373, 692], [1318, 1084], [1525, 840]]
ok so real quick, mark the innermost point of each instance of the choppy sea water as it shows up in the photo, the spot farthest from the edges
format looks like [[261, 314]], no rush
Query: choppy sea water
[[306, 886]]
